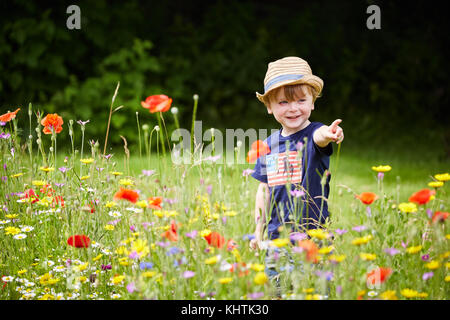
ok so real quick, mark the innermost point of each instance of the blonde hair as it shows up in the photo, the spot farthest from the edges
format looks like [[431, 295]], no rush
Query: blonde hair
[[291, 92]]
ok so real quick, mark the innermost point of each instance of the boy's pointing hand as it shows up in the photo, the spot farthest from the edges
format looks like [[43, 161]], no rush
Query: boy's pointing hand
[[326, 134]]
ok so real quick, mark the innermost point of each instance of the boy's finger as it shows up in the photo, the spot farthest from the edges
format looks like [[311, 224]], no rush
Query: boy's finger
[[334, 125]]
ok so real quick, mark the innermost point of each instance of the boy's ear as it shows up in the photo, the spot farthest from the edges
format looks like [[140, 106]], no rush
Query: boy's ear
[[312, 108], [269, 111]]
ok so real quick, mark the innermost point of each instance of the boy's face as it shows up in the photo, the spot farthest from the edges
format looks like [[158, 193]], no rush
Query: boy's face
[[292, 115]]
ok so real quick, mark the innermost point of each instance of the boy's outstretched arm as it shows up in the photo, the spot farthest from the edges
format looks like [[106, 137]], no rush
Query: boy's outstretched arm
[[261, 203], [325, 134]]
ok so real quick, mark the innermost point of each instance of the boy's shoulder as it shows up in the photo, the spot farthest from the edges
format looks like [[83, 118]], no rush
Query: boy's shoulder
[[304, 132]]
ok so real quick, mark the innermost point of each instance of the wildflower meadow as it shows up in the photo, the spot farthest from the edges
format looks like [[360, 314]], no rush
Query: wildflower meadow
[[78, 222]]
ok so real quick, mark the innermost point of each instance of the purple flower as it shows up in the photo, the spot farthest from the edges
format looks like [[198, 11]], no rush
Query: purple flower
[[426, 257], [369, 211], [132, 228], [12, 152], [192, 234], [338, 290], [209, 189], [429, 213], [5, 135], [392, 251], [299, 146], [248, 237], [297, 249], [340, 231], [163, 244], [186, 210], [147, 224], [133, 255], [404, 245], [427, 275], [108, 156], [173, 250], [63, 169], [380, 175], [256, 295], [247, 172], [297, 236], [224, 220], [170, 201], [114, 222], [59, 184], [148, 173], [145, 265], [2, 123], [106, 267], [297, 193], [188, 274], [82, 123], [328, 275], [359, 228], [131, 287], [99, 169], [202, 294], [4, 178]]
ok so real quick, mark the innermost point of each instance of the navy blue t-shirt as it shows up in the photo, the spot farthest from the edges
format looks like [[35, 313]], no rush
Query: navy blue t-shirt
[[303, 167]]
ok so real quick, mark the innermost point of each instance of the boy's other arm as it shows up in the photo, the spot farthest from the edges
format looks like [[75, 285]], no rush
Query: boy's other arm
[[325, 134], [261, 203]]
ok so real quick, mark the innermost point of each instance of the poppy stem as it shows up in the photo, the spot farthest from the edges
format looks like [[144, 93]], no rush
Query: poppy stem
[[194, 113], [109, 118], [161, 137], [139, 133]]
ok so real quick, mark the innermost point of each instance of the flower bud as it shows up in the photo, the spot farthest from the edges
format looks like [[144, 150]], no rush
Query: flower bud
[[195, 96], [157, 128], [145, 127], [174, 110]]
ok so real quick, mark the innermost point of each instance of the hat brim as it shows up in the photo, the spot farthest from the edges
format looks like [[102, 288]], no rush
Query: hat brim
[[311, 80]]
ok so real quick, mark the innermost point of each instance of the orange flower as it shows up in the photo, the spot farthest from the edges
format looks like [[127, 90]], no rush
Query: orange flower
[[8, 116], [155, 203], [241, 268], [157, 103], [259, 148], [422, 196], [311, 250], [378, 275], [231, 244], [215, 239], [52, 122], [439, 216], [171, 234], [367, 197], [126, 194]]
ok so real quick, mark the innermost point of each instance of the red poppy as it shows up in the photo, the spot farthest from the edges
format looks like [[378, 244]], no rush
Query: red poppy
[[439, 216], [155, 203], [231, 244], [30, 194], [52, 121], [311, 250], [8, 116], [422, 196], [58, 200], [215, 239], [378, 275], [157, 103], [79, 241], [367, 197], [259, 148], [126, 194], [171, 234], [47, 188]]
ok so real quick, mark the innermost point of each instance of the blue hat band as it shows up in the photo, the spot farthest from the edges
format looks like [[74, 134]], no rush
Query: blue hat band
[[283, 77]]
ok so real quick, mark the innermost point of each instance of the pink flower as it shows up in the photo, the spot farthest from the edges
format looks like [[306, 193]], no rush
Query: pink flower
[[188, 274]]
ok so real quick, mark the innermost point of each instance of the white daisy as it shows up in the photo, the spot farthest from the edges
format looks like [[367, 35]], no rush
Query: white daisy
[[115, 296], [20, 236], [372, 293], [115, 214], [28, 295], [49, 263], [7, 278], [27, 229], [59, 268]]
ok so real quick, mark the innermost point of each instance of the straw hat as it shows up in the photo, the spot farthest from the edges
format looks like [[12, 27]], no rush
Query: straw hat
[[289, 71]]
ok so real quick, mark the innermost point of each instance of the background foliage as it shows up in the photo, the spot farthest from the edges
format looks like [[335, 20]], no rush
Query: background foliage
[[390, 86]]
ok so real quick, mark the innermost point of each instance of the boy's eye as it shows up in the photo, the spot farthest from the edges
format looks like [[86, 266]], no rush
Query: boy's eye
[[282, 102], [302, 100]]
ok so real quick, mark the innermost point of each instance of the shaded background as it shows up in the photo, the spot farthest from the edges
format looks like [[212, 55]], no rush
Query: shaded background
[[390, 86]]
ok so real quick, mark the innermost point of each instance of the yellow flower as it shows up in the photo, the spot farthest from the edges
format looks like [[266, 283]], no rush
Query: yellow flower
[[215, 216], [368, 256], [110, 204], [447, 265], [205, 232], [11, 216], [109, 227], [435, 184], [361, 292], [413, 250], [97, 257], [260, 278], [38, 183], [445, 255], [231, 213], [257, 267], [87, 161], [407, 207], [388, 295], [12, 230], [82, 279], [312, 297], [142, 204], [85, 177], [117, 279], [225, 280], [148, 274], [140, 247], [318, 233], [309, 290], [326, 250], [362, 240], [47, 169], [336, 258], [280, 242], [22, 271], [433, 265], [47, 279], [422, 295], [122, 250], [409, 293], [17, 175], [116, 173], [384, 168], [126, 182], [212, 260], [124, 261], [81, 267], [442, 177], [447, 278], [447, 236]]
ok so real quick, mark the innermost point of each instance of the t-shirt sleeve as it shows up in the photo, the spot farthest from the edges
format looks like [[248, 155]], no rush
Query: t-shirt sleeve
[[259, 172], [326, 151]]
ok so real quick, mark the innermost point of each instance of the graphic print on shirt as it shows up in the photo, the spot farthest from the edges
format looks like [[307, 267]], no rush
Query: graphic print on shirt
[[282, 168]]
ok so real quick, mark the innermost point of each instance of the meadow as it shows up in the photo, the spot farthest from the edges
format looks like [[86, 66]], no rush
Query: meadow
[[78, 223]]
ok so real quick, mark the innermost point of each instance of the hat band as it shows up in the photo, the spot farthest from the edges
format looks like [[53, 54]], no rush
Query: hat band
[[283, 77]]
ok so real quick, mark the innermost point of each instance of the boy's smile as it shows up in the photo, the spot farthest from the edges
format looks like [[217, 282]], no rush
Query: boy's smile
[[292, 115]]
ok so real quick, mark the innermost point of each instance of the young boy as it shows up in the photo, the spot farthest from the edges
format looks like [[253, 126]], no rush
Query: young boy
[[290, 90]]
